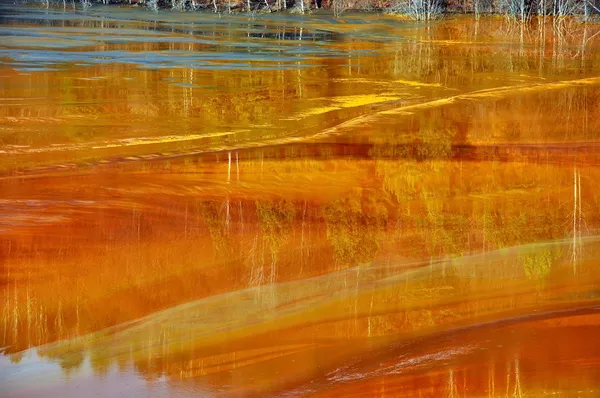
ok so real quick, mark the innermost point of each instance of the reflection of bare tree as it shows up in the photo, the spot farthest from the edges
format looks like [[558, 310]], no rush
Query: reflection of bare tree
[[354, 226], [217, 225], [577, 220], [513, 370], [452, 388], [274, 221]]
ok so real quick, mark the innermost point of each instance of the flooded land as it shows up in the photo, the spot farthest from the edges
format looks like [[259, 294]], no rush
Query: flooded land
[[281, 205]]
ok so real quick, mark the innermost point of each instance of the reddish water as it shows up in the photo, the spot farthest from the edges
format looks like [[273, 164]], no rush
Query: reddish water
[[300, 206]]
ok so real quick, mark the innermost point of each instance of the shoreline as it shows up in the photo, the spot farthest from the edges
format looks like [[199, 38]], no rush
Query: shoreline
[[239, 9]]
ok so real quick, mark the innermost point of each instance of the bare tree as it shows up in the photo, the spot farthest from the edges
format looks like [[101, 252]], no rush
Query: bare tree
[[178, 5], [564, 8], [482, 7], [419, 10], [589, 7], [338, 7], [519, 10]]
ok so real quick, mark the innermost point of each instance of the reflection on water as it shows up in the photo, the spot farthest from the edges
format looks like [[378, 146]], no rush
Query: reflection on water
[[297, 206]]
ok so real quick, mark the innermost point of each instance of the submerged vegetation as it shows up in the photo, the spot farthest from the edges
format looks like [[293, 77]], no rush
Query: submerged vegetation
[[519, 10]]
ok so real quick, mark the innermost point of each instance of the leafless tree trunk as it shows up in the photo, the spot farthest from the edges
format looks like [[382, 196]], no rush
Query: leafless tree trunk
[[575, 249], [564, 8], [589, 6], [338, 7], [542, 8], [518, 10], [419, 10]]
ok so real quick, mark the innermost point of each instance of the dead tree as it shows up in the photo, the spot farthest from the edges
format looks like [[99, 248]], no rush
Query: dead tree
[[419, 10], [518, 10], [338, 7]]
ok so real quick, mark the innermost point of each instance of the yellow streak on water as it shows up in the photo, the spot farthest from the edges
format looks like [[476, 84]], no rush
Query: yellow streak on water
[[417, 83], [342, 102], [494, 93]]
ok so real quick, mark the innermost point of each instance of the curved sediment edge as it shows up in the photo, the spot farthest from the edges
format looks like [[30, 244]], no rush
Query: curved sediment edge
[[405, 356], [339, 129], [494, 93], [260, 308]]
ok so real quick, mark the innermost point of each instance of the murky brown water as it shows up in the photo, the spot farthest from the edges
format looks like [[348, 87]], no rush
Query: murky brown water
[[285, 205]]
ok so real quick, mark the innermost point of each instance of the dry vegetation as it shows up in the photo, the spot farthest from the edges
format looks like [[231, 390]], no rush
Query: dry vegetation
[[519, 10]]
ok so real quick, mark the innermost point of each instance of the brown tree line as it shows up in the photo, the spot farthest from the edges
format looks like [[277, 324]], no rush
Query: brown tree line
[[520, 10]]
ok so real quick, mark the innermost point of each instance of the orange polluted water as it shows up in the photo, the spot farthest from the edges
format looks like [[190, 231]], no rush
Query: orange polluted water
[[286, 205]]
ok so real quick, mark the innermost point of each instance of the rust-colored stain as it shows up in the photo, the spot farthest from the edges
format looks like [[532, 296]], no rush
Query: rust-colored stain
[[197, 210]]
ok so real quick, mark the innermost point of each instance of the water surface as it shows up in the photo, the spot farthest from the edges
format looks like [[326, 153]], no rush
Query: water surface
[[280, 205]]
